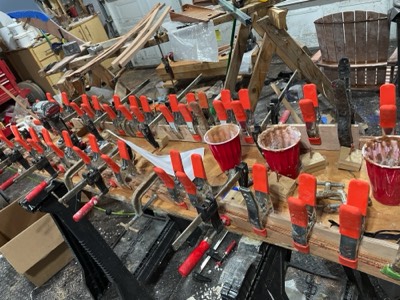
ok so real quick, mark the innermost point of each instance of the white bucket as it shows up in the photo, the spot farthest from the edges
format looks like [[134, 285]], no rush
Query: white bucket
[[16, 28], [8, 38], [24, 40]]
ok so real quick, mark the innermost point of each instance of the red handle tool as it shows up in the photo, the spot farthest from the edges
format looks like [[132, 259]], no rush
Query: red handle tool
[[138, 114], [227, 251], [190, 97], [111, 163], [82, 155], [18, 138], [226, 99], [35, 146], [244, 98], [76, 108], [96, 103], [198, 166], [85, 209], [187, 116], [110, 112], [6, 140], [170, 184], [49, 142], [133, 101], [67, 139], [145, 104], [173, 102], [203, 101], [34, 135], [6, 184], [64, 98], [85, 100], [310, 92], [221, 112], [309, 116], [36, 191], [387, 94], [351, 218], [299, 208], [188, 185], [116, 100], [388, 118], [176, 161], [88, 110], [260, 178], [241, 118], [123, 150], [194, 257], [93, 144], [127, 114]]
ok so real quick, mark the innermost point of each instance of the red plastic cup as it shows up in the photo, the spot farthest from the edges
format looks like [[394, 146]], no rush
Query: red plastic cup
[[224, 143], [281, 149], [384, 174]]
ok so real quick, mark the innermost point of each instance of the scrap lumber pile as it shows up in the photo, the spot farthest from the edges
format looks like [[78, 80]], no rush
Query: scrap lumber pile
[[138, 36]]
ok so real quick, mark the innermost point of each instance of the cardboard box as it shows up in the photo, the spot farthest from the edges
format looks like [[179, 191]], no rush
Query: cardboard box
[[32, 243]]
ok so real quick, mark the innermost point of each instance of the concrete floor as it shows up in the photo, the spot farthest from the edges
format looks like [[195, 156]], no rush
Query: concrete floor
[[307, 278]]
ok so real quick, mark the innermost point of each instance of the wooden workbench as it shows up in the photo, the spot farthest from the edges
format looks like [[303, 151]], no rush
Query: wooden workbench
[[324, 241]]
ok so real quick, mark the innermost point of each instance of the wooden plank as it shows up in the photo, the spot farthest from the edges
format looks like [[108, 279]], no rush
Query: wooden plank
[[329, 39], [350, 38], [260, 70], [278, 17], [320, 29], [338, 36], [324, 241], [236, 58], [361, 45], [295, 57], [329, 136], [123, 59], [383, 48], [372, 52], [194, 14]]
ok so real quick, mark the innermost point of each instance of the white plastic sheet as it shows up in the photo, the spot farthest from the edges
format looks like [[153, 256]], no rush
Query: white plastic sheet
[[193, 42], [164, 161]]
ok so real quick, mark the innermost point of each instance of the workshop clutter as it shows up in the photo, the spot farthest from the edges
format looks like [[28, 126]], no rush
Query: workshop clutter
[[15, 35], [32, 243]]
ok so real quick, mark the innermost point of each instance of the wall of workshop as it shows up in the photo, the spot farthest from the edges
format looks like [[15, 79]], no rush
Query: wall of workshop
[[303, 13], [10, 5]]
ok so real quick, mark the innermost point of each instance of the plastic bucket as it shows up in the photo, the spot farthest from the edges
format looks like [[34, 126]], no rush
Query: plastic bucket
[[8, 38], [224, 143], [384, 173], [281, 149], [24, 40], [16, 28]]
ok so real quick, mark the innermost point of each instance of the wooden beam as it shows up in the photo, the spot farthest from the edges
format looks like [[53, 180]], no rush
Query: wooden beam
[[295, 57], [260, 70], [236, 58], [123, 59], [277, 17]]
